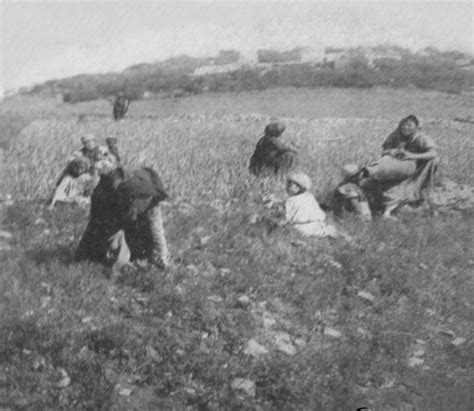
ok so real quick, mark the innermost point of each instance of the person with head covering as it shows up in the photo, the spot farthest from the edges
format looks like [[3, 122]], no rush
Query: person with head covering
[[271, 155], [125, 222], [405, 172], [75, 184], [120, 106], [303, 212], [81, 174]]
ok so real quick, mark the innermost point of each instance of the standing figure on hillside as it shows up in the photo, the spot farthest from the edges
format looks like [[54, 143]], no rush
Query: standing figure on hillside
[[271, 155], [81, 174], [126, 222], [121, 104]]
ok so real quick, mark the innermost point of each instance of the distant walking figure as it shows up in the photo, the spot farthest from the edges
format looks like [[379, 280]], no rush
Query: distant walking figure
[[121, 104], [271, 155]]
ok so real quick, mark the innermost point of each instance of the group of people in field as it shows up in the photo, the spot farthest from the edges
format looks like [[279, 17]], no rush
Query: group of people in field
[[126, 222], [403, 174]]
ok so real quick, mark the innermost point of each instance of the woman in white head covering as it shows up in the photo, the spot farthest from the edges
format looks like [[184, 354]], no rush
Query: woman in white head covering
[[303, 211]]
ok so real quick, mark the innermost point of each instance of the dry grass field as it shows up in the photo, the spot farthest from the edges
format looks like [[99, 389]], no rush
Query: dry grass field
[[72, 339]]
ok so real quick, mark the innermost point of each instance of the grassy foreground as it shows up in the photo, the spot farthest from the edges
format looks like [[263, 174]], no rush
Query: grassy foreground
[[249, 317]]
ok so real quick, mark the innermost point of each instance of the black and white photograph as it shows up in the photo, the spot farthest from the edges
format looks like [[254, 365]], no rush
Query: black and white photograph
[[237, 205]]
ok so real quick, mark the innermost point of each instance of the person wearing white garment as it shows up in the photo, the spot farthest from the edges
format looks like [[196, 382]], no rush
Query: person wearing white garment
[[303, 211]]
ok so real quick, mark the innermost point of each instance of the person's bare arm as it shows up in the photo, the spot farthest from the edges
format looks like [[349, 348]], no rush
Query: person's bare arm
[[430, 154]]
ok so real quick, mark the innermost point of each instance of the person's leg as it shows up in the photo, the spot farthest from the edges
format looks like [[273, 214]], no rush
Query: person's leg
[[361, 208], [118, 253], [160, 247]]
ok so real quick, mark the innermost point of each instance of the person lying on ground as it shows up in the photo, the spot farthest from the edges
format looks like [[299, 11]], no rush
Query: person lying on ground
[[125, 222], [75, 184], [271, 155], [303, 212]]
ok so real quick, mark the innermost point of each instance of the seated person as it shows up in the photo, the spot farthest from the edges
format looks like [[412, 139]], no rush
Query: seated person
[[271, 155], [75, 184], [403, 175], [101, 159], [303, 211], [125, 222], [405, 171]]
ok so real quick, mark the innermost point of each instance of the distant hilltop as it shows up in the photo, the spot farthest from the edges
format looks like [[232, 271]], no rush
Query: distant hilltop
[[229, 70]]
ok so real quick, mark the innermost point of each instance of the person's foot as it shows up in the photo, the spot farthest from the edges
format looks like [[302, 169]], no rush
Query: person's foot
[[390, 217]]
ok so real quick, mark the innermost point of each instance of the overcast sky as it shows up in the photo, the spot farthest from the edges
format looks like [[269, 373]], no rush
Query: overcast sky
[[43, 40]]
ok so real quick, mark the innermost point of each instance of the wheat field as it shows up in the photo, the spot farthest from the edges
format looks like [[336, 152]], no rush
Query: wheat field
[[70, 338]]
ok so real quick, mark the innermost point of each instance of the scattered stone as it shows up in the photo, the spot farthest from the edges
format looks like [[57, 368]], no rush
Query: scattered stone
[[284, 344], [361, 331], [244, 300], [45, 300], [419, 353], [86, 320], [125, 392], [420, 342], [366, 296], [415, 361], [65, 380], [215, 298], [335, 264], [254, 219], [300, 342], [39, 221], [423, 266], [242, 384], [204, 240], [39, 364], [331, 332], [225, 271], [448, 333], [179, 290], [6, 235], [268, 320], [254, 349], [458, 341], [153, 355]]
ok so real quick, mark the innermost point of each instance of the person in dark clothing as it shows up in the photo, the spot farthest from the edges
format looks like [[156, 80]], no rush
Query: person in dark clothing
[[112, 147], [121, 104], [349, 196], [125, 222], [271, 155]]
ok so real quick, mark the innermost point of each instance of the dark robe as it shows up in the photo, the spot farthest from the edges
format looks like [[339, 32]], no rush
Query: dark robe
[[121, 201]]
